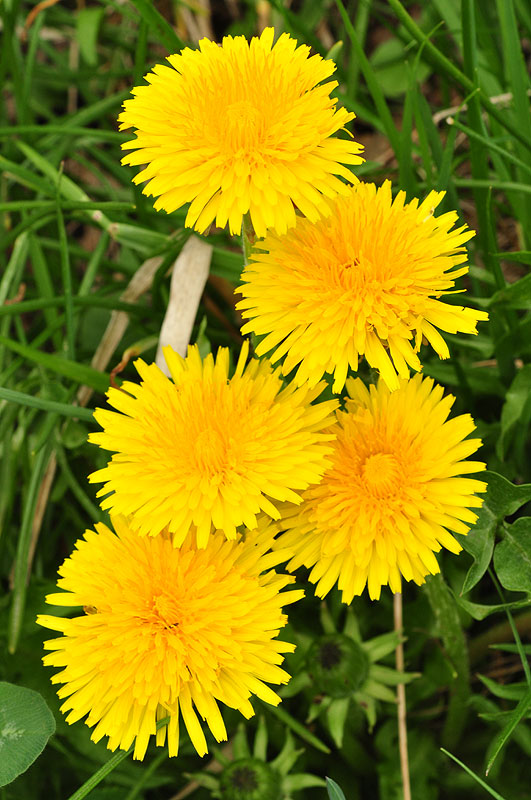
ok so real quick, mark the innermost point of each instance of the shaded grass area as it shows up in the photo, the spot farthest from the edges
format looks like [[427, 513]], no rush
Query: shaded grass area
[[441, 93]]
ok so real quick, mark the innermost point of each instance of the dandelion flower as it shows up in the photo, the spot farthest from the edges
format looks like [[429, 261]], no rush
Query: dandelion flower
[[167, 633], [241, 127], [393, 495], [203, 452], [364, 281]]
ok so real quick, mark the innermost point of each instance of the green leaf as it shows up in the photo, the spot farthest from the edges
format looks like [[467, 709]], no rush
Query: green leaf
[[334, 791], [511, 691], [389, 61], [336, 717], [299, 781], [26, 724], [512, 557], [516, 406], [515, 295], [501, 499], [504, 497], [479, 543], [501, 739], [87, 27], [479, 611]]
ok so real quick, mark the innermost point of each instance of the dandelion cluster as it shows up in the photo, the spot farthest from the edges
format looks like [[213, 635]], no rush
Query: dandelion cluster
[[218, 476]]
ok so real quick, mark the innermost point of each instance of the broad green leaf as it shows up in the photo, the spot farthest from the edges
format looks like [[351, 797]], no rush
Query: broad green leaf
[[504, 497], [87, 27], [516, 406], [479, 543], [512, 557], [501, 739], [26, 724], [334, 791], [389, 61], [501, 499]]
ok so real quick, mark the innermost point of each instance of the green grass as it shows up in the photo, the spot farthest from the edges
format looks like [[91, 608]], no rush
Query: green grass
[[74, 231]]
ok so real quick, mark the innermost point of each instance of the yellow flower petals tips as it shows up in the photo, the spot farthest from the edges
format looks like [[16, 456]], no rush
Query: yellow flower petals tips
[[203, 452], [167, 632], [240, 127], [393, 493], [365, 281]]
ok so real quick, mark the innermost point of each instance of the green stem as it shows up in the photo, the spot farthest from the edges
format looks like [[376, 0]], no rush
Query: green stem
[[113, 762], [102, 773], [447, 617]]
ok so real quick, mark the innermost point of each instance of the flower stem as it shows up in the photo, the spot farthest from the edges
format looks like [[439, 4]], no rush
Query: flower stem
[[401, 700], [248, 238]]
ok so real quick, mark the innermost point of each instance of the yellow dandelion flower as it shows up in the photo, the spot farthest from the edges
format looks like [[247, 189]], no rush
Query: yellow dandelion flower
[[365, 281], [393, 493], [168, 633], [203, 452], [241, 127]]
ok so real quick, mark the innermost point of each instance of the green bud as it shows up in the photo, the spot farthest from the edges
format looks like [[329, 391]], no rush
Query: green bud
[[338, 665], [250, 779]]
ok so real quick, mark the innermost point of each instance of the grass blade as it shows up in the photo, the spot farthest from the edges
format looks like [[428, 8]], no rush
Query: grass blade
[[31, 401], [489, 789], [372, 81], [453, 73]]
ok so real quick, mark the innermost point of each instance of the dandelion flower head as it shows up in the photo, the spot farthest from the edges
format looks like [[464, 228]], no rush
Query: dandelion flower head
[[241, 127], [167, 633], [393, 496], [202, 452], [364, 281]]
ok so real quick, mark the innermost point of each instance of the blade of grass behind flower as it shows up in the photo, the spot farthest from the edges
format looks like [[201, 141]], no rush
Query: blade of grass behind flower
[[519, 82], [79, 373], [489, 789], [372, 81], [13, 396], [18, 597], [444, 65], [159, 25]]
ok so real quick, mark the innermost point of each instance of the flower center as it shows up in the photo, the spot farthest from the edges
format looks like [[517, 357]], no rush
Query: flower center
[[381, 473], [243, 125], [167, 610], [210, 452]]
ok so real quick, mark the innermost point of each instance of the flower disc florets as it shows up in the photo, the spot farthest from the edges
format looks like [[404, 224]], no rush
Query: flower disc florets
[[393, 493], [362, 282], [241, 127], [168, 632], [202, 452]]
